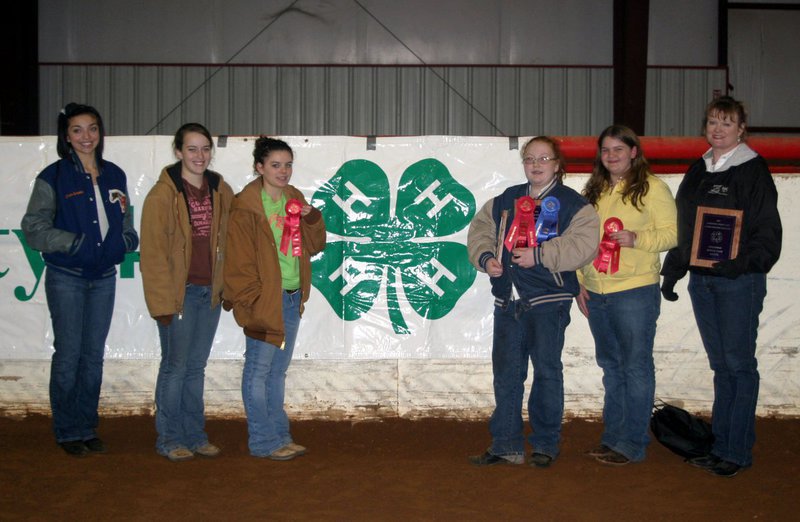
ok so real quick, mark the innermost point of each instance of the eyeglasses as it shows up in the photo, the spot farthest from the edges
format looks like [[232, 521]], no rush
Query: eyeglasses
[[544, 160]]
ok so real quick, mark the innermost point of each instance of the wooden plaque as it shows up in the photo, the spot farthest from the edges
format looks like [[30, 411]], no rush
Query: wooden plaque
[[501, 237], [716, 235]]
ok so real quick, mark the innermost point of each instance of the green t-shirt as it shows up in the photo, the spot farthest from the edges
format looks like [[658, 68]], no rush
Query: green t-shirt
[[290, 265]]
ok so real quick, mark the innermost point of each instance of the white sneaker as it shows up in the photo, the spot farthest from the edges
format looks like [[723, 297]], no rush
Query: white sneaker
[[208, 450], [179, 454], [284, 453], [297, 448]]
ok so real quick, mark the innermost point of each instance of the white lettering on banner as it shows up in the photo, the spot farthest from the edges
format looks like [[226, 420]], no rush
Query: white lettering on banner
[[438, 204], [347, 204], [352, 274], [432, 281]]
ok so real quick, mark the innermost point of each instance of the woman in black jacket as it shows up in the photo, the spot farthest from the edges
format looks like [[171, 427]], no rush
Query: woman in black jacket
[[727, 293]]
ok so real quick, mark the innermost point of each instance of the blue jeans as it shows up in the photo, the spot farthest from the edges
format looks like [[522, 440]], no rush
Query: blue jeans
[[81, 312], [185, 347], [726, 311], [521, 332], [623, 325], [264, 384]]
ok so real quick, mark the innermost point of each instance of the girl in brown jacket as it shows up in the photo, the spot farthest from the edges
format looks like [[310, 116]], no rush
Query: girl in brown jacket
[[272, 235], [184, 224]]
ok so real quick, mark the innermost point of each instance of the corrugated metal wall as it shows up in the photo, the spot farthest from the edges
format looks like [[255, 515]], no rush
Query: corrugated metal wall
[[367, 100], [677, 99]]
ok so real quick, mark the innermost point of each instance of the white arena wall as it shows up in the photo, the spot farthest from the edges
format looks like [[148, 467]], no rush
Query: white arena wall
[[370, 366]]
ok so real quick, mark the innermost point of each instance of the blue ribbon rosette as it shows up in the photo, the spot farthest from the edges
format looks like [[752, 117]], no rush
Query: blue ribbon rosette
[[547, 223]]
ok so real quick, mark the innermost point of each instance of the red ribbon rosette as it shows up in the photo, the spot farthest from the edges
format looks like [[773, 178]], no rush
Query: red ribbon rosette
[[607, 260], [291, 228], [522, 233]]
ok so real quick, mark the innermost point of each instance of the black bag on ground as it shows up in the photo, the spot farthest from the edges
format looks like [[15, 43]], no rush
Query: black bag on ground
[[683, 433]]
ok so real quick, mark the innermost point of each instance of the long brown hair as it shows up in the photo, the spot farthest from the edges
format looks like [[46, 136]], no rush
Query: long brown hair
[[636, 185]]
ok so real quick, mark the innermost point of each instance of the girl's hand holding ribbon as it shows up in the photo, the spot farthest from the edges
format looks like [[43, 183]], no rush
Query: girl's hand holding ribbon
[[625, 238], [494, 268], [523, 257], [291, 237]]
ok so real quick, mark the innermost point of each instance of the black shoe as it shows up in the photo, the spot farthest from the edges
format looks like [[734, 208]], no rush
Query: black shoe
[[95, 445], [613, 458], [540, 460], [74, 448], [705, 462], [598, 451], [723, 468], [487, 459]]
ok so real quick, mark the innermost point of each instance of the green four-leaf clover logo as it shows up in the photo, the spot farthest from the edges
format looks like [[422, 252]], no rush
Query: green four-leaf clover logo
[[407, 247]]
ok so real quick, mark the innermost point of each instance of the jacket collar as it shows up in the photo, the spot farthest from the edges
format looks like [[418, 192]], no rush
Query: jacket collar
[[741, 154], [174, 173], [250, 196], [543, 193]]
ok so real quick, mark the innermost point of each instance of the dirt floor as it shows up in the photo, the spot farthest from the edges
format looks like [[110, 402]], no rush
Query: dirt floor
[[382, 470]]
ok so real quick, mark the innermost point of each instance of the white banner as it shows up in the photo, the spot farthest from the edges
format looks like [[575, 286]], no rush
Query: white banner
[[394, 281], [398, 322]]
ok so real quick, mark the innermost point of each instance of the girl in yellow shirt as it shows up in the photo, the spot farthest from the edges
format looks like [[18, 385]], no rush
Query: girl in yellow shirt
[[620, 290]]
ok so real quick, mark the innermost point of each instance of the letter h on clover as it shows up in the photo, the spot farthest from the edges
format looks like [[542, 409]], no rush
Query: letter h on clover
[[408, 248]]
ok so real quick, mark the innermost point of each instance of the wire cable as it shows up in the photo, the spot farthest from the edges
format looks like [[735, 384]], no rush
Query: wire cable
[[371, 15], [219, 68], [431, 69]]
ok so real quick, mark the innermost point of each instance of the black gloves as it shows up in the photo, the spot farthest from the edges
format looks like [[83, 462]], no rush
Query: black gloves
[[668, 289], [732, 268]]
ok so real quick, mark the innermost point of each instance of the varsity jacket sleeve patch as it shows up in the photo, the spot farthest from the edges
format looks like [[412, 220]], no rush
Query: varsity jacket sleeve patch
[[129, 235]]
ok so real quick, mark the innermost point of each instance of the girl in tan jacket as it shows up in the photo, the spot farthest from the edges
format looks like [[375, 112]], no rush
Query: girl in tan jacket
[[184, 224], [272, 235]]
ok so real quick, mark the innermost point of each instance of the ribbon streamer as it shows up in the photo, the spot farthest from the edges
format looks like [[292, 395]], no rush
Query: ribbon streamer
[[547, 223], [291, 228], [607, 260], [522, 233]]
